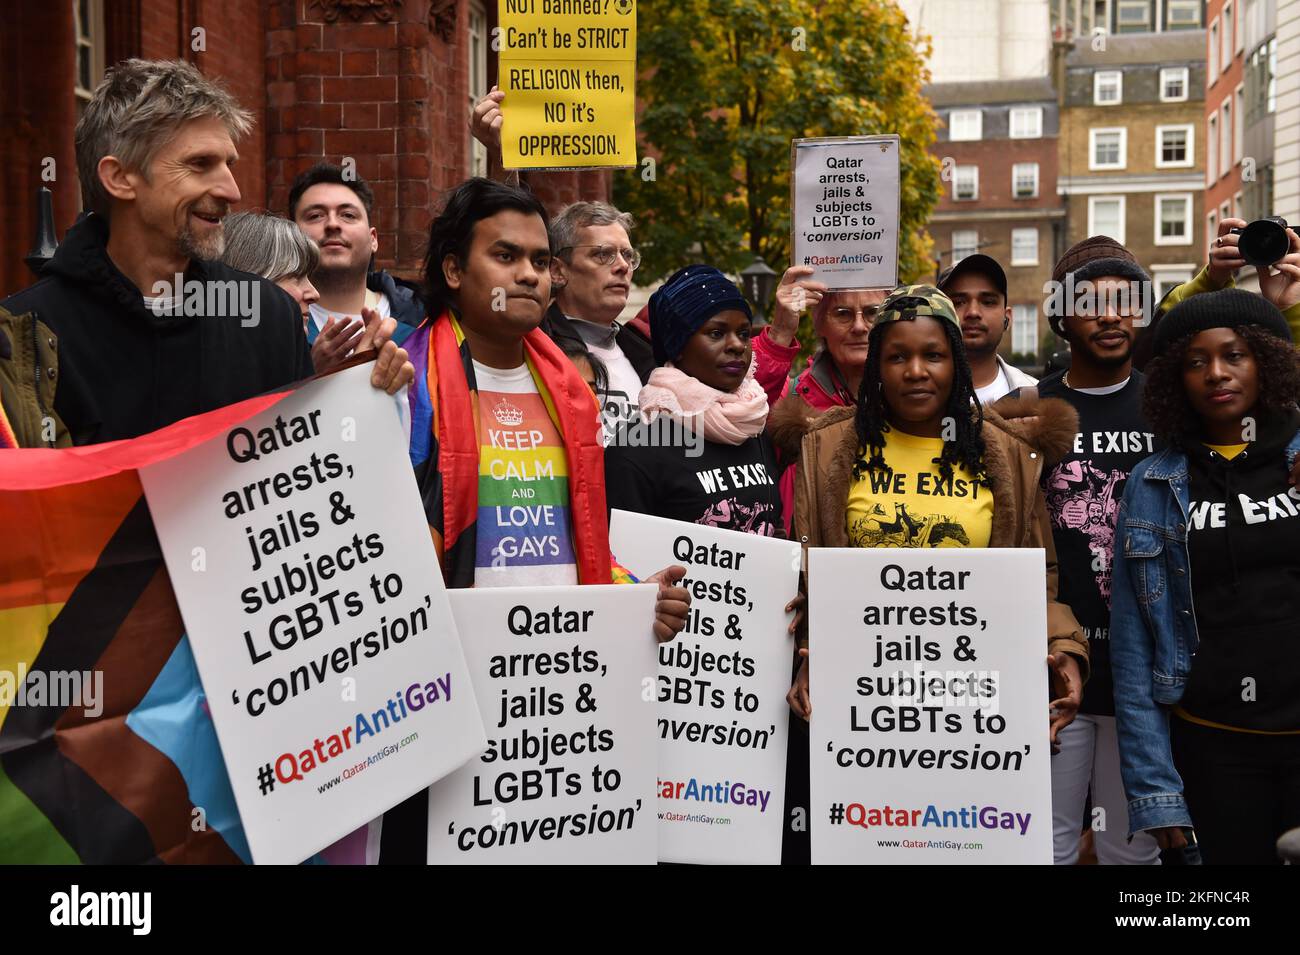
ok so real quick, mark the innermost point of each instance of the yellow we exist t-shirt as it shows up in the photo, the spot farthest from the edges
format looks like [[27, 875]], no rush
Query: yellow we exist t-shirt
[[911, 505]]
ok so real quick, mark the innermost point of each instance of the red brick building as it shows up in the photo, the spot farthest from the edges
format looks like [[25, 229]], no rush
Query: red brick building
[[998, 147], [384, 82], [1225, 112]]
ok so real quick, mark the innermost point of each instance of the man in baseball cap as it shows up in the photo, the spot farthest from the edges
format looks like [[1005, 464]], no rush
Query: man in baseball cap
[[977, 286]]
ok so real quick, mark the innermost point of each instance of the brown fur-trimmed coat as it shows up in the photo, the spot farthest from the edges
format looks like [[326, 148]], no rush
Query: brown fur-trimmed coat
[[1022, 436]]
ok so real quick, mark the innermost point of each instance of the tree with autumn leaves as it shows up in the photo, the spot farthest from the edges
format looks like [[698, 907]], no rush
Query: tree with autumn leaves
[[725, 85]]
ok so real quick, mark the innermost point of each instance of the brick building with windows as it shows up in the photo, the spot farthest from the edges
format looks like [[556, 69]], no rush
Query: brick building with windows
[[1225, 113], [998, 147], [1072, 18], [386, 83], [1132, 164]]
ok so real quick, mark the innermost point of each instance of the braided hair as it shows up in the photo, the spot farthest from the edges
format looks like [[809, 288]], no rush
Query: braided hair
[[871, 422]]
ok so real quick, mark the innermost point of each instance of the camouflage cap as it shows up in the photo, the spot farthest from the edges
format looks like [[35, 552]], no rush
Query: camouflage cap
[[913, 301]]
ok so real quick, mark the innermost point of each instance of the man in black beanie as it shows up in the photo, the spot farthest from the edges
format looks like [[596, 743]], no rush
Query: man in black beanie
[[1099, 292]]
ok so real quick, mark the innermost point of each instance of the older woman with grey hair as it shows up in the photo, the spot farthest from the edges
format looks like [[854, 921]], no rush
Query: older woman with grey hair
[[275, 248]]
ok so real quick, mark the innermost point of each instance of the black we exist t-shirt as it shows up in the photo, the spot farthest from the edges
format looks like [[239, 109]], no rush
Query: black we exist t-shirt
[[1083, 492], [729, 486]]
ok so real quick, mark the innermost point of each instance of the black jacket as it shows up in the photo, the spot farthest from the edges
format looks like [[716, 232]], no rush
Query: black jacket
[[124, 371], [634, 344], [405, 302]]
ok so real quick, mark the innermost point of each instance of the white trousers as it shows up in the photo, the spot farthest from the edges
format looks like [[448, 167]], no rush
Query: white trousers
[[1089, 759]]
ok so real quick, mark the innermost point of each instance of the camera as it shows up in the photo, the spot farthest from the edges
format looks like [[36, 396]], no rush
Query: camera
[[1264, 241]]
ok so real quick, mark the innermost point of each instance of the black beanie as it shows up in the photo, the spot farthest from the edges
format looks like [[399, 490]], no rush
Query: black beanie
[[1227, 308], [1092, 258]]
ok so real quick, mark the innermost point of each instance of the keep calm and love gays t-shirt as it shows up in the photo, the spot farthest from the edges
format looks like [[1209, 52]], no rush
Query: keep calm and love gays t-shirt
[[524, 534]]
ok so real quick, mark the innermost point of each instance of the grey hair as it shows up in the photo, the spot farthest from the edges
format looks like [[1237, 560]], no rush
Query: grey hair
[[268, 245], [580, 215], [135, 111]]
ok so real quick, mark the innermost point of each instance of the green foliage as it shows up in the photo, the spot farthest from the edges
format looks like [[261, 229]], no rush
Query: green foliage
[[725, 86]]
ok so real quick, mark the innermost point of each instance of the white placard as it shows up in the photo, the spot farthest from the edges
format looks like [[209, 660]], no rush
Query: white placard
[[303, 566], [844, 216], [723, 716], [928, 682], [565, 681]]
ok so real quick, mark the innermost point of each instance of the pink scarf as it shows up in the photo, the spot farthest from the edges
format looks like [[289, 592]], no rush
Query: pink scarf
[[729, 417]]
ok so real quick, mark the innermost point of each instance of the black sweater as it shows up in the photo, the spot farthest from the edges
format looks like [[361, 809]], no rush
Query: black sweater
[[729, 486], [1241, 537], [1083, 492], [124, 371]]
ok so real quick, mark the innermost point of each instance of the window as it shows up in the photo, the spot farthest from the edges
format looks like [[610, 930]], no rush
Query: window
[[1238, 123], [1212, 151], [1213, 69], [1106, 217], [1174, 219], [1108, 148], [1173, 84], [1024, 330], [1133, 16], [1184, 15], [965, 125], [1024, 180], [1272, 75], [1225, 34], [1165, 280], [964, 242], [1225, 138], [1107, 87], [88, 16], [1026, 122], [1225, 210], [1239, 29], [478, 85], [1211, 230], [1261, 81], [1174, 146], [1236, 206], [966, 183], [1024, 246]]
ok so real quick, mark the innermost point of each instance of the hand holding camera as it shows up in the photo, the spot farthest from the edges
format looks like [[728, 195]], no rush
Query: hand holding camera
[[1269, 245]]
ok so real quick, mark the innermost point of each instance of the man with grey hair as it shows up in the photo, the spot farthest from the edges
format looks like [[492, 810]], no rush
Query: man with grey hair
[[591, 274], [151, 327]]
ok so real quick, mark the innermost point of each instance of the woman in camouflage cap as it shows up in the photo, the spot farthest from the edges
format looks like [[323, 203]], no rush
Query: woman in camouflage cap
[[919, 463]]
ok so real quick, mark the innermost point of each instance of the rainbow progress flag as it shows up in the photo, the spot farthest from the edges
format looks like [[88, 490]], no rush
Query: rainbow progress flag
[[131, 771]]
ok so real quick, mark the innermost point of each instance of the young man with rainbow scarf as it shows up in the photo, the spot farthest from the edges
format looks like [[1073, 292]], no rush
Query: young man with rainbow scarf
[[505, 434]]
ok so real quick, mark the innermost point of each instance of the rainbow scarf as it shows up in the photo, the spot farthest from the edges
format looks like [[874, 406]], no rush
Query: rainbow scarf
[[7, 437], [453, 415]]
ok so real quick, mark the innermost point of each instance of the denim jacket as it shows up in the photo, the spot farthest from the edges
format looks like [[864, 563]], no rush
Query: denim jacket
[[1153, 633]]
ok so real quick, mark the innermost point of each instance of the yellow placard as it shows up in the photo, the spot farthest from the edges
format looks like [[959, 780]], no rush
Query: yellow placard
[[568, 69]]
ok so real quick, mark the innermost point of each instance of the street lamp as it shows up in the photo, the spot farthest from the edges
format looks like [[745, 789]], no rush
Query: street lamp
[[758, 281], [46, 243]]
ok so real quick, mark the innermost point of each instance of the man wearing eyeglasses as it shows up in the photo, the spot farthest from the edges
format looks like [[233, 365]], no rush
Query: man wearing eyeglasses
[[591, 275]]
